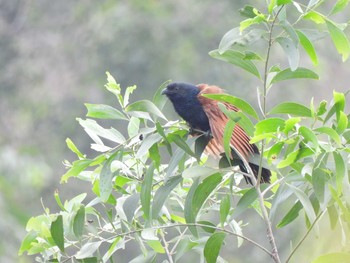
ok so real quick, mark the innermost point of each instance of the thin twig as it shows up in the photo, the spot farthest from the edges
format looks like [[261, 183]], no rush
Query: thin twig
[[197, 225], [305, 236], [272, 186], [166, 247]]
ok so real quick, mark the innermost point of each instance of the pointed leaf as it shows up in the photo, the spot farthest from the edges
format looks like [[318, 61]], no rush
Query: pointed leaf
[[296, 74], [225, 205], [339, 38], [236, 58], [101, 111], [146, 190], [308, 47], [162, 194], [56, 230], [291, 50], [79, 222], [338, 257], [291, 108], [212, 247], [291, 215], [145, 106], [106, 177], [339, 6]]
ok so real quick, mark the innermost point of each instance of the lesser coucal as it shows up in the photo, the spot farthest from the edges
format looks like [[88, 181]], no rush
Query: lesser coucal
[[204, 114]]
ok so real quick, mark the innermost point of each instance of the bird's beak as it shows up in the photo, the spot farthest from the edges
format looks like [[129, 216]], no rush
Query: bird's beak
[[164, 91]]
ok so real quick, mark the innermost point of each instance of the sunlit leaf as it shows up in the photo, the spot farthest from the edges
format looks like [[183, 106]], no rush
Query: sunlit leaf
[[87, 250], [101, 111], [308, 47], [145, 106], [296, 74], [338, 257], [315, 17], [291, 108], [73, 148], [269, 125], [339, 6], [339, 38], [156, 246], [309, 135], [158, 99], [212, 247]]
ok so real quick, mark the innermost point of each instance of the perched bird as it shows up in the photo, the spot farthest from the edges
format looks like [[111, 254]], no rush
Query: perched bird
[[203, 114]]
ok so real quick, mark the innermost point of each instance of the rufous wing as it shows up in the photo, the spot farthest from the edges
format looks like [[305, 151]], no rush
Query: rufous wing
[[218, 120]]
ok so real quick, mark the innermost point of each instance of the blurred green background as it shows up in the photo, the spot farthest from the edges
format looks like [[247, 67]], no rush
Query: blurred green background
[[53, 58]]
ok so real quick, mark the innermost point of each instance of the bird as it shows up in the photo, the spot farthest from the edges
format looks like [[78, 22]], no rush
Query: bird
[[204, 116]]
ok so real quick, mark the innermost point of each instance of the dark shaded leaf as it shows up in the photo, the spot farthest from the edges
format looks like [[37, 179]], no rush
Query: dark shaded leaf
[[212, 247], [57, 234]]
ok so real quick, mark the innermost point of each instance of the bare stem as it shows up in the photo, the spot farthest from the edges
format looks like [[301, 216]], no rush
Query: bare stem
[[197, 225], [305, 236]]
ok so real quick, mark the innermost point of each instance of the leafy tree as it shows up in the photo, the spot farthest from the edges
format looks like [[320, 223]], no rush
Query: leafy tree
[[154, 190]]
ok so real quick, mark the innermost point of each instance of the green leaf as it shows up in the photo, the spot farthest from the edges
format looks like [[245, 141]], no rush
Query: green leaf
[[77, 167], [225, 205], [246, 200], [179, 141], [295, 156], [145, 106], [130, 205], [158, 99], [339, 39], [156, 246], [94, 130], [198, 194], [73, 148], [212, 247], [268, 126], [291, 215], [88, 260], [106, 177], [198, 171], [87, 250], [146, 189], [101, 111], [248, 11], [308, 47], [147, 144], [290, 31], [129, 90], [342, 122], [235, 101], [338, 257], [236, 58], [331, 133], [155, 155], [339, 6], [315, 17], [236, 37], [291, 108], [283, 2], [305, 201], [296, 74], [228, 130], [114, 88], [319, 179], [27, 242], [309, 135], [163, 193], [272, 5], [291, 50], [341, 171], [251, 21], [118, 243], [79, 222], [56, 230], [207, 226]]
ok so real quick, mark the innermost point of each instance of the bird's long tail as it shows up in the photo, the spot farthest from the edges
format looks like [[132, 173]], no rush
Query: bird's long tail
[[265, 173]]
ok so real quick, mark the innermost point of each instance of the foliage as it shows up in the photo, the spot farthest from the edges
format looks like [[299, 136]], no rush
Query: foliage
[[153, 186]]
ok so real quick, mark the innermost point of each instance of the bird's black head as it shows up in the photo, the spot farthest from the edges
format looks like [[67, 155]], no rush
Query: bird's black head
[[180, 91], [183, 96]]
